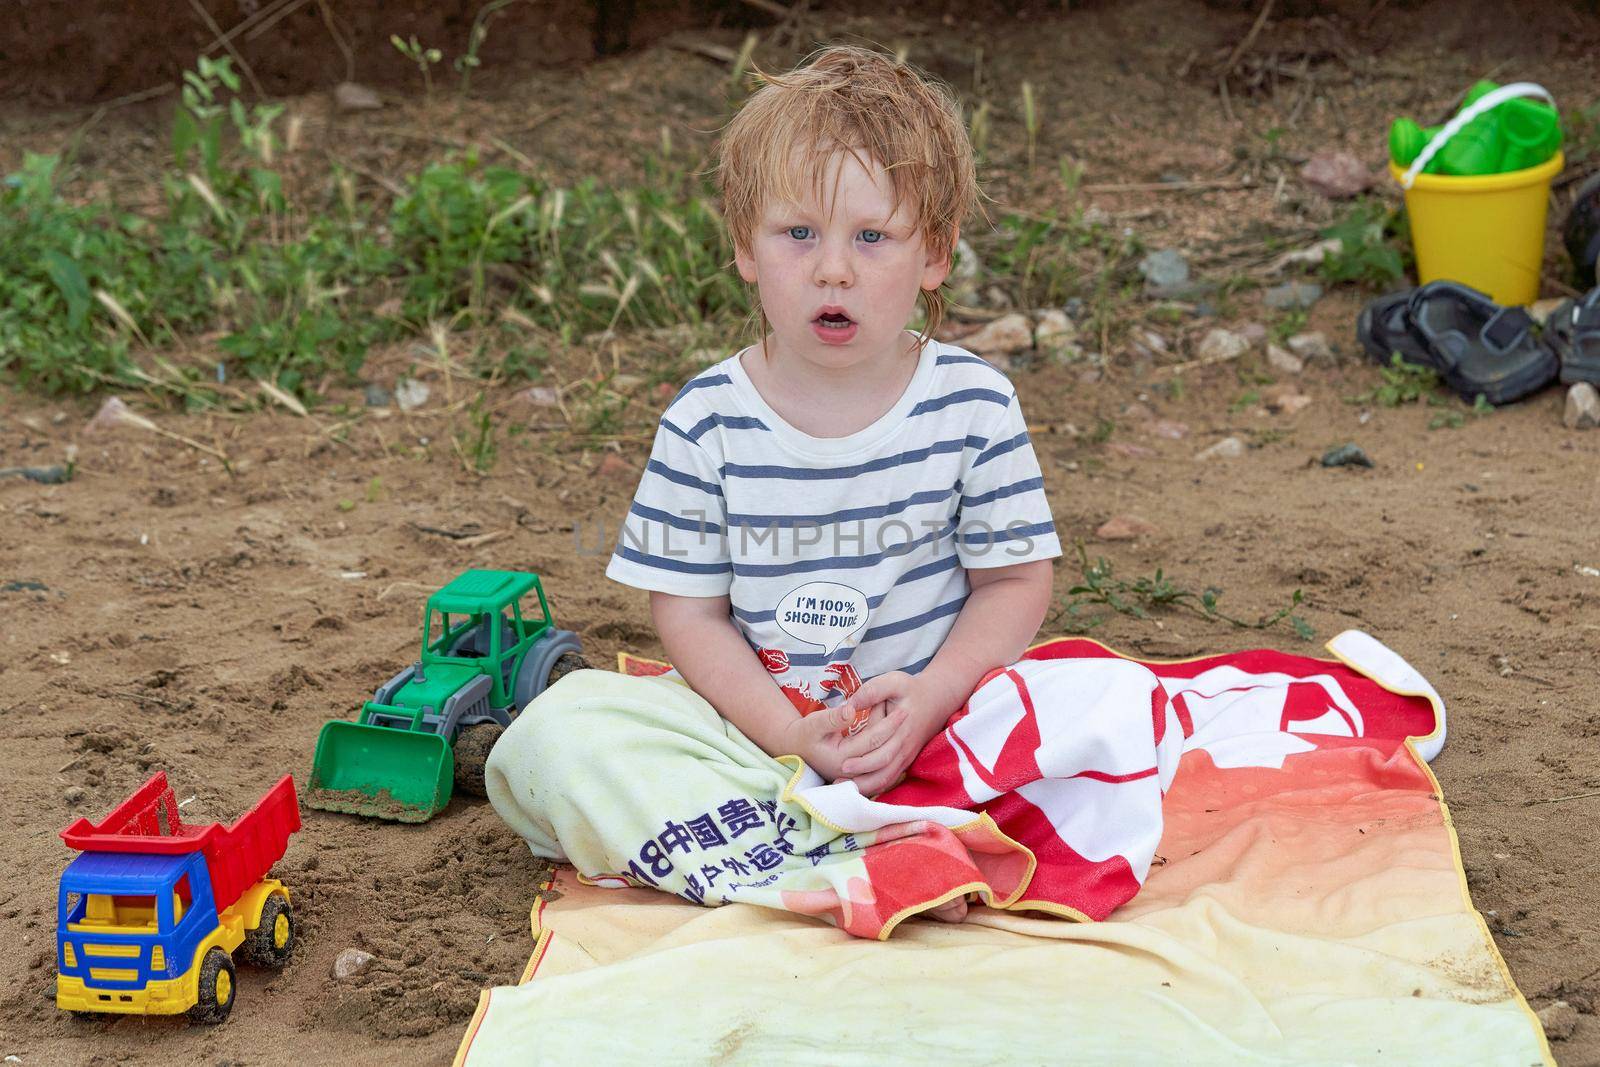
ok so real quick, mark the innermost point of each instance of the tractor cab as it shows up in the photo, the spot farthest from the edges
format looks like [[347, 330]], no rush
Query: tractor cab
[[478, 622]]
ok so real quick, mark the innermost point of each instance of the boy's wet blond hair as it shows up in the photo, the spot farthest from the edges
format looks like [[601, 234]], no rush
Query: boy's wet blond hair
[[851, 100]]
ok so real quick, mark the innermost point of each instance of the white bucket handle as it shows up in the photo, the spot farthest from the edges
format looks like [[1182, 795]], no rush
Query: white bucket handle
[[1484, 103]]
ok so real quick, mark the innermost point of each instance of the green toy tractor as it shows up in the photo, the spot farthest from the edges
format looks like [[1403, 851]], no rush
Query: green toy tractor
[[488, 648]]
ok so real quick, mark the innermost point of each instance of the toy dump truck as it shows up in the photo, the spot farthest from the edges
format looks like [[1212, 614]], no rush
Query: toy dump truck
[[489, 646], [149, 916]]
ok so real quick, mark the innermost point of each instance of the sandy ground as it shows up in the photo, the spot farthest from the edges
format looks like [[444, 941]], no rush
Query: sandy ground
[[161, 613]]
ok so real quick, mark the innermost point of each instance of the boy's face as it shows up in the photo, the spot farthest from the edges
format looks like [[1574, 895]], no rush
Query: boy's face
[[839, 277]]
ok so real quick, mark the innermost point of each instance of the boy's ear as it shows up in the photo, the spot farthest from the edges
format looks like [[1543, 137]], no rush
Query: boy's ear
[[938, 265], [745, 262]]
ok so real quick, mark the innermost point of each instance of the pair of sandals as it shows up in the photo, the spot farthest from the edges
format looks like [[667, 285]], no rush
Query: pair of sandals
[[1481, 348]]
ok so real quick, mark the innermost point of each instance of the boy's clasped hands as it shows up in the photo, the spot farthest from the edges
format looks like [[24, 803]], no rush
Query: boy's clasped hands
[[872, 737]]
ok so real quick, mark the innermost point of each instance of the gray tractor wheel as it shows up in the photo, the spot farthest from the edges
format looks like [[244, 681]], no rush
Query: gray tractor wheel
[[556, 655], [472, 748]]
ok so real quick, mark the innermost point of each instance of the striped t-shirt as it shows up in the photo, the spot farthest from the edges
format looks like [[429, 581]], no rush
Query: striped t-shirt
[[843, 558]]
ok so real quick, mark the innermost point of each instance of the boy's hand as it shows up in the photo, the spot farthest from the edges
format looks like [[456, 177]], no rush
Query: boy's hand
[[828, 737], [906, 701]]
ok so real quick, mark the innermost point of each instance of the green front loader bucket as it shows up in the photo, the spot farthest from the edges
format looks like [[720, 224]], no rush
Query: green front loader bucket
[[381, 772]]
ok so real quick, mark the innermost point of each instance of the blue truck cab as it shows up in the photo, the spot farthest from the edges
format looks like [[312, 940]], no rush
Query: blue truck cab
[[131, 929]]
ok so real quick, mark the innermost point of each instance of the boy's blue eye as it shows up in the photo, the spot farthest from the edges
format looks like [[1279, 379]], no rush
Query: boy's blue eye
[[800, 233], [871, 237]]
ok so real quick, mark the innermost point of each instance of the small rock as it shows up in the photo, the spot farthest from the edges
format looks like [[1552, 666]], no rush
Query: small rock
[[545, 396], [1541, 309], [1281, 359], [994, 296], [1310, 256], [113, 413], [55, 474], [1005, 335], [1583, 407], [1147, 344], [1292, 296], [1056, 336], [1056, 333], [614, 466], [1227, 448], [351, 963], [1336, 175], [1075, 307], [376, 396], [1164, 269], [75, 795], [1312, 346], [1346, 456], [1559, 1020], [410, 394], [1253, 332], [1137, 411], [351, 96], [1129, 450], [965, 274], [1219, 345], [1125, 528], [1285, 399], [625, 383], [1166, 429]]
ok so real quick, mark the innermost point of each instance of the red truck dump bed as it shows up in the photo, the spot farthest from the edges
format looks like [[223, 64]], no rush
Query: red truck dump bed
[[237, 856]]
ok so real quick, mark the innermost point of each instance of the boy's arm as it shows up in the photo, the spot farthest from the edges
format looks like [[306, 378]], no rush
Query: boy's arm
[[995, 627], [712, 655], [996, 624]]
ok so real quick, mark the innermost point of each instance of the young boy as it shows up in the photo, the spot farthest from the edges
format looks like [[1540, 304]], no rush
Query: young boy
[[843, 527]]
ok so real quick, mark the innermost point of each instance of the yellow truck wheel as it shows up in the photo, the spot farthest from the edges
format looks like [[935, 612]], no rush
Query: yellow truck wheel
[[217, 988], [272, 941]]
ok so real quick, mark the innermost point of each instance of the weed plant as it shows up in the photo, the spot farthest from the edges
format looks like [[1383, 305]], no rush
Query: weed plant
[[1370, 239], [293, 288], [1086, 605]]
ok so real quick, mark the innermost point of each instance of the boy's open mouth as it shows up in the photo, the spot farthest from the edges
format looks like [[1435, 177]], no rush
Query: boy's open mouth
[[832, 326]]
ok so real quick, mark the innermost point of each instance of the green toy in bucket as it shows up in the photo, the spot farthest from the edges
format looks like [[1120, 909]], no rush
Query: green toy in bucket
[[1512, 133], [1477, 217]]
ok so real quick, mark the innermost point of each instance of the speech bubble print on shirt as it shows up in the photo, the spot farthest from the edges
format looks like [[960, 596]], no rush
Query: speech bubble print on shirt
[[822, 613]]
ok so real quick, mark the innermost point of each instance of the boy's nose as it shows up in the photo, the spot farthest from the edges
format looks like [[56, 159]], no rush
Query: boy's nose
[[833, 269]]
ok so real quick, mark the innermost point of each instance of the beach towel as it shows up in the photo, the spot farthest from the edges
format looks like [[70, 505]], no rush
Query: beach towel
[[1301, 895]]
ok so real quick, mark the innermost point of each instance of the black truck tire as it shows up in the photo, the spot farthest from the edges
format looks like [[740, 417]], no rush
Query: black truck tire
[[218, 988], [565, 664], [271, 943]]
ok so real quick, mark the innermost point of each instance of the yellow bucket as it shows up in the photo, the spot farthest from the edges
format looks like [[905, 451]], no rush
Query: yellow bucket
[[1486, 231]]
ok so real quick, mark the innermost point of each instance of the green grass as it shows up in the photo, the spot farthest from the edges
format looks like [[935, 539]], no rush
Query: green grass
[[90, 295], [1100, 591], [1372, 246], [1046, 260], [1401, 383]]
